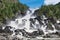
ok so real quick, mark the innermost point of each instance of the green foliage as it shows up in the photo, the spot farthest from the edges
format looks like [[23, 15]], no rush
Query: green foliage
[[9, 8], [50, 11]]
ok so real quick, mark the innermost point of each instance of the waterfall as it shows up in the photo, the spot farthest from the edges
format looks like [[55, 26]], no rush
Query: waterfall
[[24, 22], [29, 26]]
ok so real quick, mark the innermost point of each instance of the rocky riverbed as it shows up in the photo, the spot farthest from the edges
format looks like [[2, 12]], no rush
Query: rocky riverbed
[[20, 34], [4, 36]]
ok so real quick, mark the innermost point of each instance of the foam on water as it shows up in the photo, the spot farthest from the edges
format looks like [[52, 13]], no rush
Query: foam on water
[[25, 23]]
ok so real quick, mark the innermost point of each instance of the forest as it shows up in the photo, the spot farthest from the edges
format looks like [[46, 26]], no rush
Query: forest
[[9, 9], [50, 11]]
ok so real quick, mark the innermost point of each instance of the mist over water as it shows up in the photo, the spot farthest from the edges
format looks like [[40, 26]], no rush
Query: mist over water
[[24, 22], [29, 26]]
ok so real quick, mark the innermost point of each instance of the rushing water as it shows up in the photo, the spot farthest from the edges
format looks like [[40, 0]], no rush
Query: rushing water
[[28, 25], [24, 22]]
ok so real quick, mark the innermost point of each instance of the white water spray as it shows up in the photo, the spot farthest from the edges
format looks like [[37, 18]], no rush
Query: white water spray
[[25, 23]]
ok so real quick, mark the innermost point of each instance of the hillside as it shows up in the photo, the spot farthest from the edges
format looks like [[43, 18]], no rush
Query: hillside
[[9, 9], [50, 11]]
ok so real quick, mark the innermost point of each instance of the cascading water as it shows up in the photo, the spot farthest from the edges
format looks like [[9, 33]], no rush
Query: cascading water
[[29, 26], [24, 22]]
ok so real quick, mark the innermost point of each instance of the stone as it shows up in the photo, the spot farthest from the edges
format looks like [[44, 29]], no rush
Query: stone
[[7, 29], [57, 26], [2, 38]]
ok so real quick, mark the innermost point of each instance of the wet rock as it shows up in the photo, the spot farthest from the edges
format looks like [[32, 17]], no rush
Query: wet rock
[[57, 26], [41, 32], [58, 33], [32, 20], [1, 30], [15, 38], [34, 34], [46, 36], [20, 30], [17, 31], [39, 19], [52, 20], [26, 34], [54, 36], [49, 27], [7, 29]]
